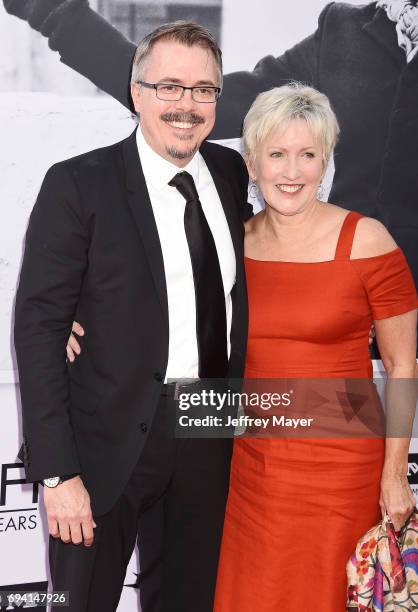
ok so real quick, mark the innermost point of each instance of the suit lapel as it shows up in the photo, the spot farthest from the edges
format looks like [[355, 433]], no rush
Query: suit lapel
[[226, 196], [141, 209], [383, 31]]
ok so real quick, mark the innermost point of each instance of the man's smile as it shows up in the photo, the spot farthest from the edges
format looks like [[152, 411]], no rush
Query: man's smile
[[182, 121]]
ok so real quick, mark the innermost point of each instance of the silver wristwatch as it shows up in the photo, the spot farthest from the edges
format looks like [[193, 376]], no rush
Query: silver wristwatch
[[52, 482]]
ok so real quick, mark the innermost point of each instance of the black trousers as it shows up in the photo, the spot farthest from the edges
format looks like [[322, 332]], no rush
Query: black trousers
[[187, 479]]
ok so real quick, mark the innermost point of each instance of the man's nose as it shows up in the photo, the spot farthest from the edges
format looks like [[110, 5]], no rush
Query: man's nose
[[186, 102]]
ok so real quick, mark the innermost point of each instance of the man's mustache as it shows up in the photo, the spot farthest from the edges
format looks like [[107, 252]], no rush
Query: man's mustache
[[182, 118]]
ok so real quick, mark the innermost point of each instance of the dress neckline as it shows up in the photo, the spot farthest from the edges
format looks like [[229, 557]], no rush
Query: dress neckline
[[326, 261]]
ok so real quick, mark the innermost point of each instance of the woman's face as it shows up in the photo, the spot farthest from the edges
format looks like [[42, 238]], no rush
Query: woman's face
[[288, 168]]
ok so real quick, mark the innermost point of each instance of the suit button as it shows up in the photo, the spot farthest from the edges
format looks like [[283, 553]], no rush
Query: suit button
[[144, 427], [158, 376]]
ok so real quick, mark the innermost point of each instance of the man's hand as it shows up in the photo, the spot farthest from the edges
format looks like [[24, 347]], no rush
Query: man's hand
[[372, 334], [69, 512], [73, 347]]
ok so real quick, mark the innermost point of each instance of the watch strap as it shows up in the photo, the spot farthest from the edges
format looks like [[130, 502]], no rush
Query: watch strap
[[61, 478]]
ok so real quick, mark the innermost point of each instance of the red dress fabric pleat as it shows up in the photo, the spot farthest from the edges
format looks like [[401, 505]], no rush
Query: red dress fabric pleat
[[297, 506]]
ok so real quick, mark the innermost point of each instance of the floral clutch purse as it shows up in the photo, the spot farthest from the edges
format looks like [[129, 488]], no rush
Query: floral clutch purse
[[383, 571]]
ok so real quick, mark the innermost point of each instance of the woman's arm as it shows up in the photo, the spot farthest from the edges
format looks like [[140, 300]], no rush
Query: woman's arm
[[397, 341], [396, 338]]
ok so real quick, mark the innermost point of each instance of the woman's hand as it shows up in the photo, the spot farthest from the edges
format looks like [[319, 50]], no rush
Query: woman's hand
[[73, 347], [396, 498]]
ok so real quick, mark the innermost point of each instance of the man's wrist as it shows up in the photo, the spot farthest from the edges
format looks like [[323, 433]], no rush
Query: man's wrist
[[54, 481]]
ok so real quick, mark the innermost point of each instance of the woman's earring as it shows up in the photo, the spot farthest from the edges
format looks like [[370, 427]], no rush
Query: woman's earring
[[320, 193], [253, 191]]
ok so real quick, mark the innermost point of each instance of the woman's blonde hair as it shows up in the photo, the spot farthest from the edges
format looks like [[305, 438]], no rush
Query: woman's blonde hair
[[274, 109]]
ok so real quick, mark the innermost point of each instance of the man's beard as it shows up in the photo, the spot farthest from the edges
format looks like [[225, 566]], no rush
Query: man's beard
[[182, 118], [176, 154]]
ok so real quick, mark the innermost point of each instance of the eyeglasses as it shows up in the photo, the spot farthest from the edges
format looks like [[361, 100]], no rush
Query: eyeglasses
[[173, 92]]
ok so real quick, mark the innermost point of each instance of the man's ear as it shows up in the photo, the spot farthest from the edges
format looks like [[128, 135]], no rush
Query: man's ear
[[136, 96]]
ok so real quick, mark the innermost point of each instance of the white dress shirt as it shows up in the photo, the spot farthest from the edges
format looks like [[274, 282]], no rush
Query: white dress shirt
[[168, 206]]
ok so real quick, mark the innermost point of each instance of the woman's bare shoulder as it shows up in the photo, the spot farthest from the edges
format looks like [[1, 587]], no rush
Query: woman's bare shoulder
[[334, 212], [371, 239]]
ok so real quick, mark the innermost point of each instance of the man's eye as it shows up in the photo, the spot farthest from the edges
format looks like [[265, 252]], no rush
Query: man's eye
[[203, 91], [168, 88]]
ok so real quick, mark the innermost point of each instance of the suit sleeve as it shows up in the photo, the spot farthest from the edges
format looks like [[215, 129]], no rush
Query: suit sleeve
[[54, 263], [300, 63], [96, 49], [85, 41]]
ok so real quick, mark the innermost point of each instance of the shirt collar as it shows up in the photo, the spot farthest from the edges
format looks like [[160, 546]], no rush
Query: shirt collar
[[157, 170]]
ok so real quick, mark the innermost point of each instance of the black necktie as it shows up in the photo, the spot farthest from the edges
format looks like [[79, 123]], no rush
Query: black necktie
[[209, 291]]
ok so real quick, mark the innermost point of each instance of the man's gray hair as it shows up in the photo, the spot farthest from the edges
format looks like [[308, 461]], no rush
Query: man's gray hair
[[184, 32]]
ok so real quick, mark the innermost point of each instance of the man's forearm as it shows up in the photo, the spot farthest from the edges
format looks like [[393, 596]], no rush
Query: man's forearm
[[49, 446]]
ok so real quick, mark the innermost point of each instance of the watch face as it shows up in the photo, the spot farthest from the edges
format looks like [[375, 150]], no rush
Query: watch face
[[52, 482]]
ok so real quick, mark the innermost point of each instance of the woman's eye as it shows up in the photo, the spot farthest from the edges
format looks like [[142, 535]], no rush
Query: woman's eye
[[276, 154], [309, 154]]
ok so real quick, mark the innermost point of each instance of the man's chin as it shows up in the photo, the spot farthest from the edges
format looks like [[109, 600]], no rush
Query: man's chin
[[181, 153]]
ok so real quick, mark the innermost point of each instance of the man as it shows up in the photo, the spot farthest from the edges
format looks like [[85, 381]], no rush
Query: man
[[142, 241], [362, 57]]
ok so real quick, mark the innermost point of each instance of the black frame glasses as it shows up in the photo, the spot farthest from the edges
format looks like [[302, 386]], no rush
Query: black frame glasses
[[177, 92]]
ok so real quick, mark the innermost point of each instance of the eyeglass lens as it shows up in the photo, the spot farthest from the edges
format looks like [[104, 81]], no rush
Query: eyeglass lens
[[175, 92]]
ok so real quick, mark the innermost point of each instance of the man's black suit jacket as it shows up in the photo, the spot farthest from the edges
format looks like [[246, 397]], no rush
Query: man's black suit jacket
[[93, 253], [353, 57]]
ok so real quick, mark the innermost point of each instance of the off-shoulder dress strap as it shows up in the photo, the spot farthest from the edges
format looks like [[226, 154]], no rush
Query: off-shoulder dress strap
[[346, 237]]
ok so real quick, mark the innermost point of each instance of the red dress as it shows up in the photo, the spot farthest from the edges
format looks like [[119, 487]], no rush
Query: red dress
[[307, 320]]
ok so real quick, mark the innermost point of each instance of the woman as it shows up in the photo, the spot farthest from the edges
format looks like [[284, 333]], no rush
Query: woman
[[317, 276]]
